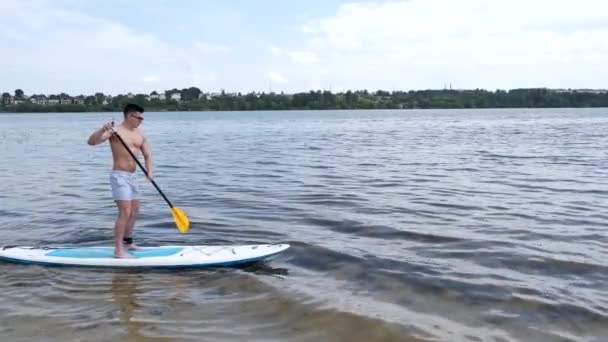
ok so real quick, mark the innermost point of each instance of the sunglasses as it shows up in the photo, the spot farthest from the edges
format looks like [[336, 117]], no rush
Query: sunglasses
[[138, 117]]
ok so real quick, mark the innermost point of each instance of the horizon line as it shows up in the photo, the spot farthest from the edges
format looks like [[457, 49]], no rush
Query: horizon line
[[176, 90]]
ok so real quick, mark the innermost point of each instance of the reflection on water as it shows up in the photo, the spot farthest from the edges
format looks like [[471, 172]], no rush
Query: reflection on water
[[461, 225], [139, 322], [124, 295]]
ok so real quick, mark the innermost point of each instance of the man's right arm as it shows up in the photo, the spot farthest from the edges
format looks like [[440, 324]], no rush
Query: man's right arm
[[100, 135]]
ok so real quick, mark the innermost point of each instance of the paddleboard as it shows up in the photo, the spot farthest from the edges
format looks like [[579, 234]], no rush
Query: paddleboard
[[165, 256]]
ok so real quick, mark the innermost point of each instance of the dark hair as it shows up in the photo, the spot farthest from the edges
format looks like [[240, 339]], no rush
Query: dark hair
[[131, 107]]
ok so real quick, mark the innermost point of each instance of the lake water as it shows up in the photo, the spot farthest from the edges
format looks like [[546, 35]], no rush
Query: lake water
[[442, 225]]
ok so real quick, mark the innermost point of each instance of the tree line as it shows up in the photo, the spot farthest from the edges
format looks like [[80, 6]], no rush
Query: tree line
[[192, 99]]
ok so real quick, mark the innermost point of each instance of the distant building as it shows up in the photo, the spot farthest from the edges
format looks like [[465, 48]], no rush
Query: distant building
[[584, 91], [176, 96], [593, 91], [8, 100], [39, 99]]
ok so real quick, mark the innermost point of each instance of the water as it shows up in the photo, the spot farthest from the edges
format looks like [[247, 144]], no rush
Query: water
[[456, 225]]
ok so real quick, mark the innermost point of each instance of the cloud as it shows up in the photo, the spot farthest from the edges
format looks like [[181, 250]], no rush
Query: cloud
[[478, 43], [150, 78], [299, 57], [307, 29], [57, 46], [365, 25], [277, 77], [53, 49], [211, 48], [304, 57], [275, 50]]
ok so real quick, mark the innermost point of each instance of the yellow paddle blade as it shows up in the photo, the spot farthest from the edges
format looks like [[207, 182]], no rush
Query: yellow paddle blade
[[181, 220]]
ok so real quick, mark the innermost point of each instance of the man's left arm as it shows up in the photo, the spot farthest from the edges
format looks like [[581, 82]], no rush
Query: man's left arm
[[147, 152]]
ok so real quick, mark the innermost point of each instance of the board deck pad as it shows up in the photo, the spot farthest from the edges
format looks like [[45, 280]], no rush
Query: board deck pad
[[108, 252]]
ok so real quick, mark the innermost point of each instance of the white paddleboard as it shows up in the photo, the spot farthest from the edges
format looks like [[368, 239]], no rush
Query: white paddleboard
[[165, 256]]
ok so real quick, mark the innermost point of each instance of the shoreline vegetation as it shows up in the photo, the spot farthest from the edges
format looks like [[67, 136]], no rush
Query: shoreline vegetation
[[193, 99]]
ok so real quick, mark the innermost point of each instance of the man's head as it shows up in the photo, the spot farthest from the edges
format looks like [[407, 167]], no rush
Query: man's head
[[133, 114]]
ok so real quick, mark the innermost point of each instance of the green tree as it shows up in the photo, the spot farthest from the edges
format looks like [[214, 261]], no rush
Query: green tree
[[5, 98], [90, 100], [191, 93], [99, 98]]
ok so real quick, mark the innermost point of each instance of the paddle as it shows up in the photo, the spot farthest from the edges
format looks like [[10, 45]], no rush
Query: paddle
[[180, 218]]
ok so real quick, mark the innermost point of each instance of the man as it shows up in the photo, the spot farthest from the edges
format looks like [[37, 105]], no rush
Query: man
[[122, 178]]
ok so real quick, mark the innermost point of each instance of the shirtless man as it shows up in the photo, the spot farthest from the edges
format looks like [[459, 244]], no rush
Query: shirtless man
[[122, 178]]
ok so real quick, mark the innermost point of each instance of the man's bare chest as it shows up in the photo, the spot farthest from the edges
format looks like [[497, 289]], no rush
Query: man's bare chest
[[133, 140]]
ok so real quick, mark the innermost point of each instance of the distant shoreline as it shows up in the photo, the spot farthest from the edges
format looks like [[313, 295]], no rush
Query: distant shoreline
[[192, 99], [307, 110]]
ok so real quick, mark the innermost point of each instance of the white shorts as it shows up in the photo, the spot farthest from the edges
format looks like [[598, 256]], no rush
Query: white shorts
[[124, 186]]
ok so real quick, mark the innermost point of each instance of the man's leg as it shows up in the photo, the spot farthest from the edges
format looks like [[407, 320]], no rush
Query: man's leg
[[131, 223], [124, 213]]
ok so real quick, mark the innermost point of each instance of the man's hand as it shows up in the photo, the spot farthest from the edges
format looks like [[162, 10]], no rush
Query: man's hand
[[108, 126], [101, 135]]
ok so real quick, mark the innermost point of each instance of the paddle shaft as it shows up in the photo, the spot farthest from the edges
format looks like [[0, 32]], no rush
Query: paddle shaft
[[142, 168]]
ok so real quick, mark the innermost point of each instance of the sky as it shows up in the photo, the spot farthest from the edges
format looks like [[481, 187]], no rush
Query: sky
[[114, 46]]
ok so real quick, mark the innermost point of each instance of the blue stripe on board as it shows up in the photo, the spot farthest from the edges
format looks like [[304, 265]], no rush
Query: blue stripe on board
[[103, 252]]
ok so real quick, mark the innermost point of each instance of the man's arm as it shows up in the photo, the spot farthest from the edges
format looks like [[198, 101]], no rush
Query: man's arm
[[100, 135], [147, 152]]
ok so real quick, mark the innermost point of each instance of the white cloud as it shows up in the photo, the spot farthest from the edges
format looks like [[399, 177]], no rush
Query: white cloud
[[49, 49], [307, 29], [275, 50], [150, 78], [277, 77], [304, 57], [300, 57], [211, 48], [475, 43]]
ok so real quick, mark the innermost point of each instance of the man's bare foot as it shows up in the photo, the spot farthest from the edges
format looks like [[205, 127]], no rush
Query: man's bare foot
[[132, 246], [122, 255]]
